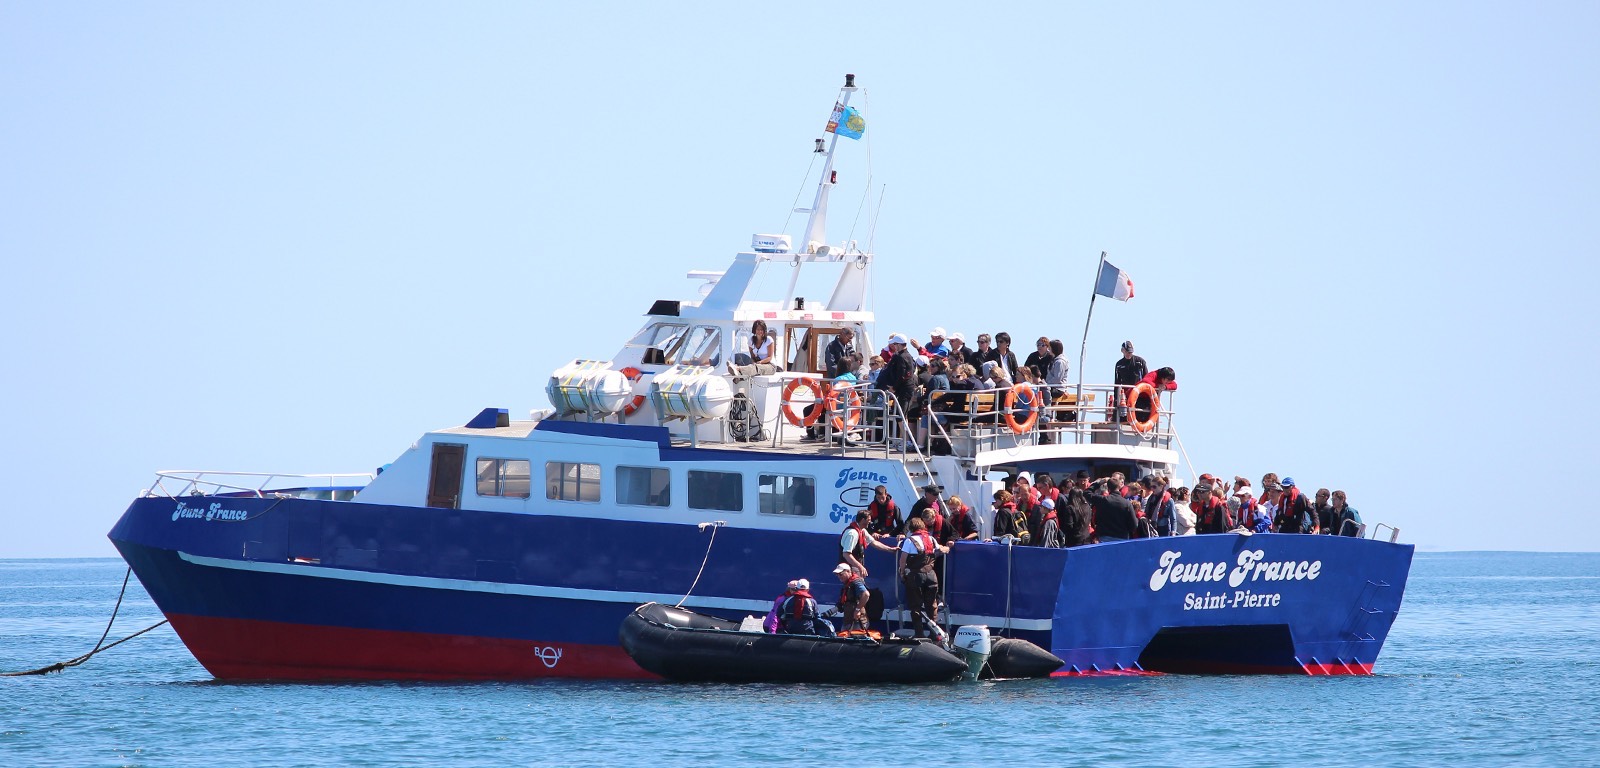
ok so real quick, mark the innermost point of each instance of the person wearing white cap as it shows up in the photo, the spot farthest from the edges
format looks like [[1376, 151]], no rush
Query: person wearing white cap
[[959, 351], [798, 614], [853, 597], [936, 344], [899, 374]]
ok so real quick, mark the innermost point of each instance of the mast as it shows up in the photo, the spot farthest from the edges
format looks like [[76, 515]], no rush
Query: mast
[[816, 233]]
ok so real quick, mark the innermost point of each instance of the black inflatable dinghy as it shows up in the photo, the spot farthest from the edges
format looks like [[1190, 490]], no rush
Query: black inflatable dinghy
[[679, 644]]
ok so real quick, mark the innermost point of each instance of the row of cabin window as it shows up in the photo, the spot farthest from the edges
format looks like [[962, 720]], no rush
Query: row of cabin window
[[649, 486]]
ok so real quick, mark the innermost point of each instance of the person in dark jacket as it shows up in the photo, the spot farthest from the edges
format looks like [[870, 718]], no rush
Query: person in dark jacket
[[1004, 356], [963, 526], [1295, 514], [1346, 520], [1074, 511], [899, 374], [838, 354], [1008, 521], [1115, 518], [1130, 369], [1324, 510]]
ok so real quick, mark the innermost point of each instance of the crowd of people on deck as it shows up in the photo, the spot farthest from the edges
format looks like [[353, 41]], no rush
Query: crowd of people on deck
[[1042, 512], [914, 372]]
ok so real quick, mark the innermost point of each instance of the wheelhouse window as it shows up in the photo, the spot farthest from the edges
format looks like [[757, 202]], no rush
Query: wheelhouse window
[[788, 495], [661, 336], [644, 486], [721, 491], [505, 477], [571, 482], [703, 347]]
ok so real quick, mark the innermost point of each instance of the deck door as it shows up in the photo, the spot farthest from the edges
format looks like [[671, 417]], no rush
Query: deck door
[[444, 481]]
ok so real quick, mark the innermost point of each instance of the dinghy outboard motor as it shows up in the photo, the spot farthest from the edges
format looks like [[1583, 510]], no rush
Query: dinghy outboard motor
[[972, 645]]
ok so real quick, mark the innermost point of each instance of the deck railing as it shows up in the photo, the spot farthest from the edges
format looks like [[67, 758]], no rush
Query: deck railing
[[175, 483]]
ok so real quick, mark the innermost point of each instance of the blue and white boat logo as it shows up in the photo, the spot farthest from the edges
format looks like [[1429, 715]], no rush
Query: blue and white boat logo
[[855, 488], [213, 512]]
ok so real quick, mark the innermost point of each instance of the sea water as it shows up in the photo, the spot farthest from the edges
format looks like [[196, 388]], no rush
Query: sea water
[[1491, 663]]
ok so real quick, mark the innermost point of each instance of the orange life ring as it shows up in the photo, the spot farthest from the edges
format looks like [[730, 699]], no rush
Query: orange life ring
[[1032, 400], [852, 408], [633, 374], [817, 389], [1155, 407]]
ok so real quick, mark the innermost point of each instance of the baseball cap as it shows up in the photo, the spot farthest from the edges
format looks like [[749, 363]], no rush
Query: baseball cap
[[954, 335], [802, 584], [1287, 482], [922, 360], [1047, 504], [842, 568], [898, 338], [937, 331]]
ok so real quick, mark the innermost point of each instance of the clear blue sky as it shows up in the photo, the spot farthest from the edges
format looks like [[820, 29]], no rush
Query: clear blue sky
[[294, 236]]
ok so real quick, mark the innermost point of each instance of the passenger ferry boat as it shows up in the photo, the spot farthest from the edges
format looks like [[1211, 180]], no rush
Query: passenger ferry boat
[[666, 474]]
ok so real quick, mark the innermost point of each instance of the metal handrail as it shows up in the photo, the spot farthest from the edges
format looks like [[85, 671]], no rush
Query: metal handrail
[[195, 480]]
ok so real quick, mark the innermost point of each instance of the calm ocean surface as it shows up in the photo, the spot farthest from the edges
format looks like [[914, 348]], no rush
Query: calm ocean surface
[[1491, 663]]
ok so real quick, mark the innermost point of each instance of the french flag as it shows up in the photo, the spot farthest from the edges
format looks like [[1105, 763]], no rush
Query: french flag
[[1113, 283]]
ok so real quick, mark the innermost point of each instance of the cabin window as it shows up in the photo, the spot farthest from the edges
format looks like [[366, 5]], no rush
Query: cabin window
[[571, 482], [720, 491], [505, 477], [704, 347], [644, 486], [788, 495]]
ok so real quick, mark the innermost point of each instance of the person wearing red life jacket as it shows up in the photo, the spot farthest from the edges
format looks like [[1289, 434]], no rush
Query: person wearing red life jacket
[[919, 555], [853, 597], [1211, 510], [932, 513], [1295, 514], [853, 543], [963, 526], [798, 614], [885, 515]]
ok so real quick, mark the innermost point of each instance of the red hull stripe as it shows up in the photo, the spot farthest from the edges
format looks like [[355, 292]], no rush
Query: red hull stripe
[[247, 649]]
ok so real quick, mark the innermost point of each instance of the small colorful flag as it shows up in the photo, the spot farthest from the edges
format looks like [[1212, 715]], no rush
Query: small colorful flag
[[846, 122], [1113, 283]]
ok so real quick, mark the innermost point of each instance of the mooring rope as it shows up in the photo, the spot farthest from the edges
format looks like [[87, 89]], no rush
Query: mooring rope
[[99, 646], [715, 524]]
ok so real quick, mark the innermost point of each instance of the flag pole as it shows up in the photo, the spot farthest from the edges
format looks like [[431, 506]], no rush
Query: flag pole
[[1084, 348]]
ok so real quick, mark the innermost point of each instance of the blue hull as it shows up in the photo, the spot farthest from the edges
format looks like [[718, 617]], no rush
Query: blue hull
[[292, 588]]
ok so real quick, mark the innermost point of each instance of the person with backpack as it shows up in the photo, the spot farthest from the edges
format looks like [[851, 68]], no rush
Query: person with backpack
[[1008, 520]]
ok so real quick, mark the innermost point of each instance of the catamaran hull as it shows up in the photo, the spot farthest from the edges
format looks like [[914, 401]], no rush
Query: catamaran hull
[[310, 590]]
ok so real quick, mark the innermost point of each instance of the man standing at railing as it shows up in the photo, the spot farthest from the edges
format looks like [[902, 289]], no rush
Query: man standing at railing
[[838, 352], [1130, 369], [899, 375]]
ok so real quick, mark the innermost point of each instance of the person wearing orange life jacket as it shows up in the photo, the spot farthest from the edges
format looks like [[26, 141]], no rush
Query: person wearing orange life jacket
[[919, 555], [885, 515], [798, 614], [854, 541], [963, 527], [1295, 513], [853, 597]]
